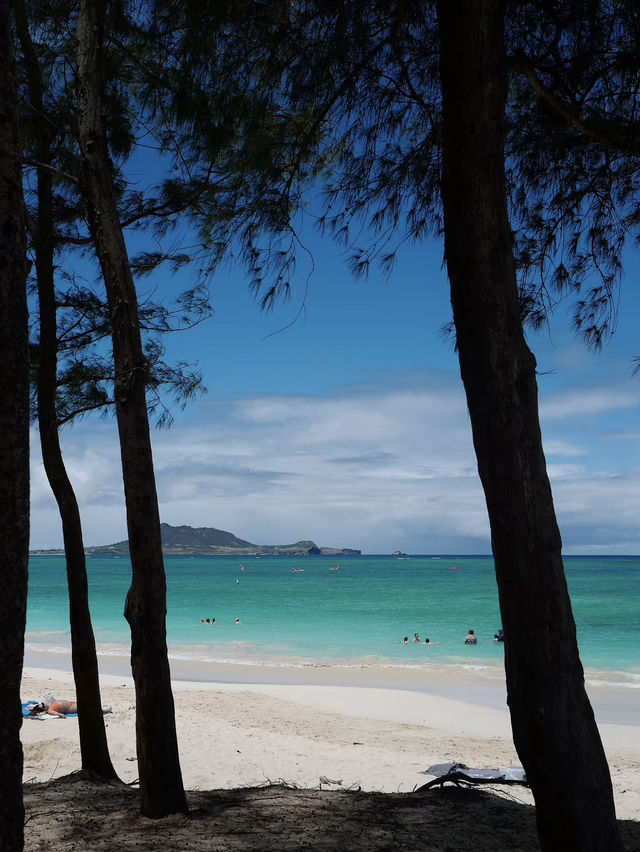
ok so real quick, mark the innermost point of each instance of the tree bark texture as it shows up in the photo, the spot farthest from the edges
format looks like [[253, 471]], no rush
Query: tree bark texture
[[96, 761], [14, 447], [161, 788], [553, 724]]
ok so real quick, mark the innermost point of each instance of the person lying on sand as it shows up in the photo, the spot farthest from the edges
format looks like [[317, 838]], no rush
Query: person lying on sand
[[59, 707]]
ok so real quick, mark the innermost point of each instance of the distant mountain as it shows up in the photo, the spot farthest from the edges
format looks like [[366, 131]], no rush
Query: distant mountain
[[208, 541]]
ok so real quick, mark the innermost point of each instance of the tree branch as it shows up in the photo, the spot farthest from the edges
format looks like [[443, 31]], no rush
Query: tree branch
[[605, 133]]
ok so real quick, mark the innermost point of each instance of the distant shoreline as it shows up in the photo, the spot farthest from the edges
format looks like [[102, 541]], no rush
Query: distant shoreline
[[185, 540], [97, 551], [108, 551]]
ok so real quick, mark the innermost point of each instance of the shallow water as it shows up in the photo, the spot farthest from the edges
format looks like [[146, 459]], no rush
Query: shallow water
[[297, 610]]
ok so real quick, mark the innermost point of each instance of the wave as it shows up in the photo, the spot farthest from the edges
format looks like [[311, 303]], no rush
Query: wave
[[612, 679], [33, 633], [247, 654]]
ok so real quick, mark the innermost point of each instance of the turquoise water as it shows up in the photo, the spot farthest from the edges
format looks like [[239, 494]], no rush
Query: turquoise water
[[296, 610]]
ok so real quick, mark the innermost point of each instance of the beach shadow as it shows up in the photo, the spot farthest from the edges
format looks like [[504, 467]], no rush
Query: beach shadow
[[71, 812]]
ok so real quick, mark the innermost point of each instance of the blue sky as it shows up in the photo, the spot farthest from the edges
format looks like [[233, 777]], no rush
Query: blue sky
[[349, 427]]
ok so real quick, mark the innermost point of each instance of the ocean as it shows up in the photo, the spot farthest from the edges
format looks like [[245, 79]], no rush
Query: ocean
[[346, 610]]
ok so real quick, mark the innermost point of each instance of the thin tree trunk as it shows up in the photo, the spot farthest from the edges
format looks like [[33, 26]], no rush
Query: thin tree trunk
[[554, 729], [14, 447], [161, 788], [94, 751]]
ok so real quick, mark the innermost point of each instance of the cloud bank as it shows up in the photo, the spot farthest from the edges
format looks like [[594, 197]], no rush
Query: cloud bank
[[376, 468]]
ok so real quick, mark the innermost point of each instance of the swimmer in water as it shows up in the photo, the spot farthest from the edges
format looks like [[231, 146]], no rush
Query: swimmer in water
[[471, 638]]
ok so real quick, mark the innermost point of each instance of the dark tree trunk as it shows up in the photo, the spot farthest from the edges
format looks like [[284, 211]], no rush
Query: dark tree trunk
[[93, 739], [94, 750], [14, 448], [161, 788], [553, 724]]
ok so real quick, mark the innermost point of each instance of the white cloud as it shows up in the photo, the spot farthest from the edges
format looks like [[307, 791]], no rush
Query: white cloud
[[599, 513], [589, 401], [623, 435], [563, 448], [375, 468]]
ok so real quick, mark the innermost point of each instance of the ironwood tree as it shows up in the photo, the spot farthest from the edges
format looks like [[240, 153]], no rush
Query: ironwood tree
[[47, 127], [376, 103], [412, 113], [554, 729], [573, 158], [71, 358], [14, 445], [161, 787]]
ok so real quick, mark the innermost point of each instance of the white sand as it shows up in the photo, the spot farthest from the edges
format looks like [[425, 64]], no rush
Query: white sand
[[302, 726]]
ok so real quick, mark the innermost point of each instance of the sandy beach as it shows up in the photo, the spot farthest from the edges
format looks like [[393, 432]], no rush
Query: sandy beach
[[319, 728]]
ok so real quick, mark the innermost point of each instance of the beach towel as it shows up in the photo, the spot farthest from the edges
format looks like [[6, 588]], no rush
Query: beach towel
[[459, 772]]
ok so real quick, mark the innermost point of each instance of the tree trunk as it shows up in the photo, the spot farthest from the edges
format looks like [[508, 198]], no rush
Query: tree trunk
[[161, 788], [93, 739], [554, 729], [94, 750], [14, 447]]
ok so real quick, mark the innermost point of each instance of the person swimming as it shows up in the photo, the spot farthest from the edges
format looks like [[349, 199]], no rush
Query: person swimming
[[471, 638]]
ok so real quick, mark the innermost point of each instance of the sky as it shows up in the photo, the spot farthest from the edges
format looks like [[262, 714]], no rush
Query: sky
[[339, 417]]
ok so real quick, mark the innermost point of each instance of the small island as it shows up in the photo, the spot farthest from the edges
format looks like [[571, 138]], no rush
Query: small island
[[209, 541]]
